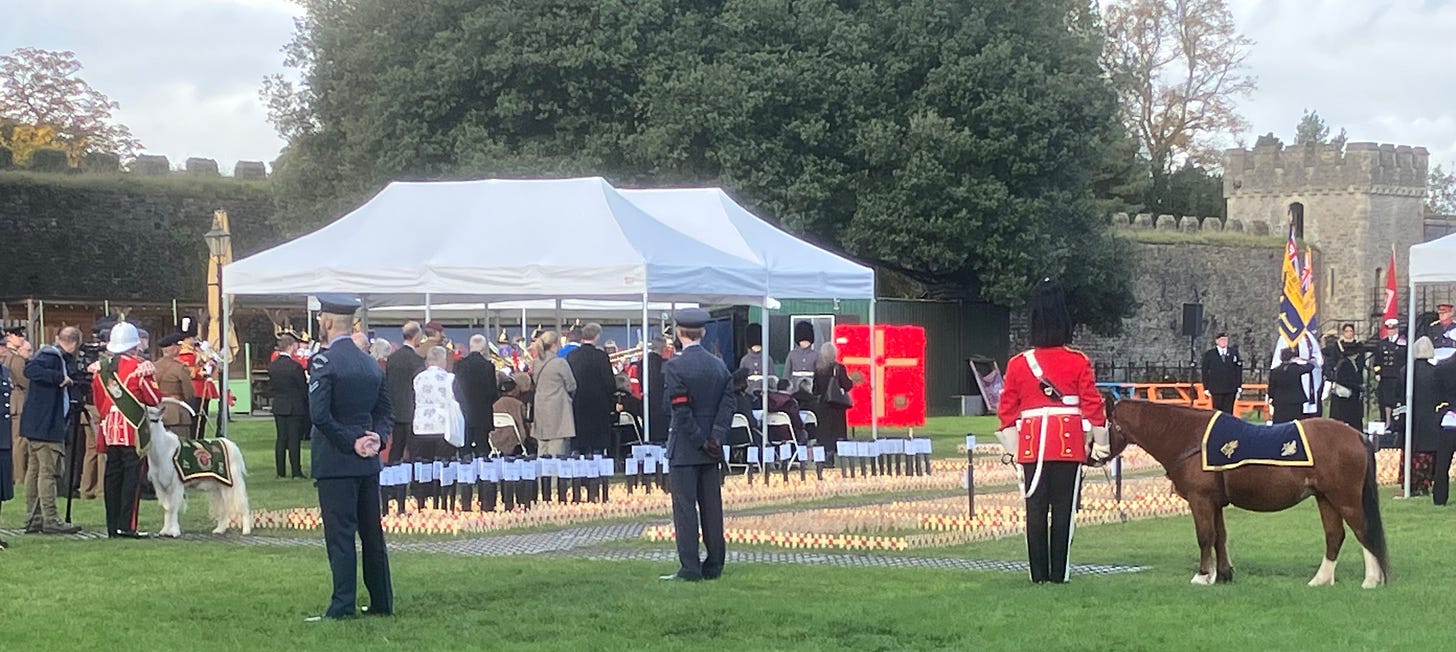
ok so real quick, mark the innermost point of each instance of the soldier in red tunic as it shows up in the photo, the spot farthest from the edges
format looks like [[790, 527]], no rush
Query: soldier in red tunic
[[1049, 407], [122, 389]]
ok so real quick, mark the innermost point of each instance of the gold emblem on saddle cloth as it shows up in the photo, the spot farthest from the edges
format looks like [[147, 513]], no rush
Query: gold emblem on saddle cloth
[[1229, 448], [1288, 448]]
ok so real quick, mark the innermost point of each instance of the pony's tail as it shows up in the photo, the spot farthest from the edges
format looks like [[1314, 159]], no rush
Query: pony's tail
[[1374, 538]]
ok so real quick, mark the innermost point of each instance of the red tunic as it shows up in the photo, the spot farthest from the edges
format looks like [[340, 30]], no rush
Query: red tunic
[[1025, 406], [114, 429]]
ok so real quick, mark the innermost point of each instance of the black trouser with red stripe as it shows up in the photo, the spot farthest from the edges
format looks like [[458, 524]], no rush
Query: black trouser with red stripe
[[1056, 493], [123, 488]]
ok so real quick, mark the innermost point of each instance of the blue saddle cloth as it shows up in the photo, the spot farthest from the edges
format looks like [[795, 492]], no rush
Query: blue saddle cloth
[[1230, 442]]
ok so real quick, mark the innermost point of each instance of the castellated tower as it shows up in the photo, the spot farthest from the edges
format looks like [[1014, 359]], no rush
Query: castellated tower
[[1351, 207]]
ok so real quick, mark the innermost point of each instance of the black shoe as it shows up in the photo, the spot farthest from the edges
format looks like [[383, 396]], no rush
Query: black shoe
[[4, 544], [132, 534], [676, 578]]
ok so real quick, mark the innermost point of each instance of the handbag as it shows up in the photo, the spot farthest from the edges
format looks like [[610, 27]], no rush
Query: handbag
[[835, 394]]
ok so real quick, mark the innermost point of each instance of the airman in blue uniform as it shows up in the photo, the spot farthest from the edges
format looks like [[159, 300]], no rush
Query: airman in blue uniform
[[352, 420], [700, 404]]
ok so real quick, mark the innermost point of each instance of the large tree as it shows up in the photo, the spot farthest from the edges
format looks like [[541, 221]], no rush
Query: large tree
[[955, 143], [42, 90], [1178, 66], [1311, 129]]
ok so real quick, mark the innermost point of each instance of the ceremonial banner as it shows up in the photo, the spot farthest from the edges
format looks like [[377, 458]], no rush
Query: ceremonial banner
[[1297, 320], [1391, 311], [893, 382]]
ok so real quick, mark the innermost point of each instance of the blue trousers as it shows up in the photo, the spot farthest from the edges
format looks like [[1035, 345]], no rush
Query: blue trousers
[[350, 506]]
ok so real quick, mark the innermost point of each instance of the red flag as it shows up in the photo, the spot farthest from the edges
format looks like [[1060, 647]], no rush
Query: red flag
[[1390, 288]]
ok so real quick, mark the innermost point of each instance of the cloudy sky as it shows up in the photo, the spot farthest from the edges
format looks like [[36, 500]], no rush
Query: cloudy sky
[[187, 72]]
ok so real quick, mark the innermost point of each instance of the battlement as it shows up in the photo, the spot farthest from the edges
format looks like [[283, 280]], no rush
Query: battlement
[[51, 160], [1272, 167]]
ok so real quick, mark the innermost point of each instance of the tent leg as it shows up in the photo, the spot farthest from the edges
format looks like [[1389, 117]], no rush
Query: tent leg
[[427, 307], [1410, 372], [763, 391], [874, 391], [646, 370], [223, 350]]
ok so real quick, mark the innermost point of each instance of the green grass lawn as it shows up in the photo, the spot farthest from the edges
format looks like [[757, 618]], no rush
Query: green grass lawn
[[127, 595]]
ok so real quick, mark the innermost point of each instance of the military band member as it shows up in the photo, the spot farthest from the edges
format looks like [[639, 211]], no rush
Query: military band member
[[804, 358], [1049, 407], [349, 407], [13, 356], [122, 390], [175, 380], [700, 401], [1390, 369]]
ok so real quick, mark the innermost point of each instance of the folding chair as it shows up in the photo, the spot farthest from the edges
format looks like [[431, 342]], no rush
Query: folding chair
[[625, 421], [782, 419], [740, 439], [811, 425], [505, 420]]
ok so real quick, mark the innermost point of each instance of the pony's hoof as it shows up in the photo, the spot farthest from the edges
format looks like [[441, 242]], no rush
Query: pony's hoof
[[222, 529], [1319, 581], [1224, 576], [1372, 584], [1202, 579]]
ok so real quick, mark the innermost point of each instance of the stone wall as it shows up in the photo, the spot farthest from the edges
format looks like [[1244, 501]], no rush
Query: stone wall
[[1238, 285], [121, 237]]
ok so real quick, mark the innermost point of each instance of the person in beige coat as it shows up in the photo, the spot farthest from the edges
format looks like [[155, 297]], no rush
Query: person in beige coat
[[555, 386]]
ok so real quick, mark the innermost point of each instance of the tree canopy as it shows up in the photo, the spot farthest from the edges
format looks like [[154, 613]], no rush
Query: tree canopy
[[958, 144], [45, 103]]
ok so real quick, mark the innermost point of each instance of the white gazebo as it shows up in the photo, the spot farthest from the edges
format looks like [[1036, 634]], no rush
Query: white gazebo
[[1430, 263]]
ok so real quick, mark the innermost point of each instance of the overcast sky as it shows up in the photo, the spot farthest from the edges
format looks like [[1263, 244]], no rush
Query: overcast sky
[[187, 72]]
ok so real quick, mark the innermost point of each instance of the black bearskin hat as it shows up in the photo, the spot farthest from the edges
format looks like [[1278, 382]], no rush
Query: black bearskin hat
[[753, 335], [803, 332], [1051, 324]]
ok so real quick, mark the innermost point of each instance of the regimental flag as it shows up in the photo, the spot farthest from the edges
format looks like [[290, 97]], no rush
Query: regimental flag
[[1298, 320], [1391, 309]]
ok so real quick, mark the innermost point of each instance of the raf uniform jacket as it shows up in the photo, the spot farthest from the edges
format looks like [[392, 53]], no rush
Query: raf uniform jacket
[[1026, 406], [347, 396], [700, 402], [289, 386], [400, 370], [175, 379], [1223, 374]]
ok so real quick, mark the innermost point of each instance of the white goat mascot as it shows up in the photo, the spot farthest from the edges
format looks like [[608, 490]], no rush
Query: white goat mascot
[[228, 505]]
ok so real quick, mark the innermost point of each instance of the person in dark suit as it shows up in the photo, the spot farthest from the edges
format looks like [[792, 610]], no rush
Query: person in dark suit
[[289, 388], [350, 408], [1286, 386], [399, 372], [596, 387], [478, 389], [1223, 374], [700, 400]]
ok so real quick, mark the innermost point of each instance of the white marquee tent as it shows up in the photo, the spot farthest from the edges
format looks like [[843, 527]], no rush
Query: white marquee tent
[[1430, 263]]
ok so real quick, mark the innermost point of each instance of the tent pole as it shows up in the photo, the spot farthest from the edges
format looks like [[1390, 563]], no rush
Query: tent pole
[[223, 350], [874, 391], [765, 370], [427, 307], [558, 316], [523, 326], [646, 395], [1410, 373]]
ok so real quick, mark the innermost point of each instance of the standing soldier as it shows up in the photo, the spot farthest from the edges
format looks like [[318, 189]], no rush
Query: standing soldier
[[349, 407], [122, 390], [1051, 415], [175, 380], [13, 356], [804, 359], [700, 400], [1223, 374], [1390, 369], [289, 388]]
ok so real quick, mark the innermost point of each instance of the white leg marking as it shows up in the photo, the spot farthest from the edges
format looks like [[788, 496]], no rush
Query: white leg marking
[[1203, 579], [1373, 576], [1326, 574]]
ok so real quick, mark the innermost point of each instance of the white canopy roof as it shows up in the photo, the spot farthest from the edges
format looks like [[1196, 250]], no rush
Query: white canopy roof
[[796, 269], [574, 238], [536, 309], [1434, 261]]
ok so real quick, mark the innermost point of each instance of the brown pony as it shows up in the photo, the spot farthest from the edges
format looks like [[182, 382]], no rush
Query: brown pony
[[1342, 481]]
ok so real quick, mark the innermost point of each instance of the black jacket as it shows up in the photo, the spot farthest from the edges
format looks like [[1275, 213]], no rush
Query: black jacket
[[595, 402], [44, 415], [399, 373], [657, 429], [477, 392], [289, 387], [1285, 384], [1220, 375]]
